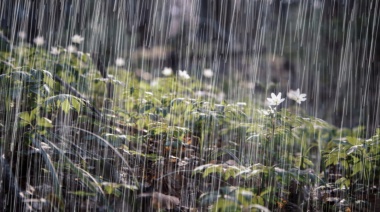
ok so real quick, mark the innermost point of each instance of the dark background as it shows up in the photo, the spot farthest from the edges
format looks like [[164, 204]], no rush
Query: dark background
[[329, 49]]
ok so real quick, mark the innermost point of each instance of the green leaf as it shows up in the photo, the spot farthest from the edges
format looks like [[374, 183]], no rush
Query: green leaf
[[257, 200], [212, 169], [343, 182], [307, 161], [225, 205], [230, 172], [44, 122], [353, 141], [25, 118], [109, 188], [357, 167], [76, 104], [65, 106], [82, 193]]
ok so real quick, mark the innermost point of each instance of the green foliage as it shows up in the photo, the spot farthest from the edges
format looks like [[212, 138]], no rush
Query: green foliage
[[358, 157], [83, 124]]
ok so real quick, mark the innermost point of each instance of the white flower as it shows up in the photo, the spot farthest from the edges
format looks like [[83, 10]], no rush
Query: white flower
[[167, 71], [80, 54], [39, 40], [77, 39], [264, 112], [208, 73], [154, 83], [22, 35], [241, 104], [120, 62], [54, 51], [71, 49], [208, 87], [183, 74], [275, 100], [297, 96]]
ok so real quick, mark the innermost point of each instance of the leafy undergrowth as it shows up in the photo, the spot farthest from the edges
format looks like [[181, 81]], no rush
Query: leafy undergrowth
[[72, 139]]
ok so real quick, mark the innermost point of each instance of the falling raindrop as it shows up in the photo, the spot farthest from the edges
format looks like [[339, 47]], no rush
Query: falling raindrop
[[176, 105]]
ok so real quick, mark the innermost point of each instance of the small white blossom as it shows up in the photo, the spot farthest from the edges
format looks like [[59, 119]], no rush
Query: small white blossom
[[22, 35], [208, 73], [154, 83], [71, 49], [275, 100], [120, 62], [220, 96], [167, 71], [208, 87], [183, 74], [241, 104], [54, 51], [39, 41], [77, 39], [264, 112], [297, 96], [80, 54]]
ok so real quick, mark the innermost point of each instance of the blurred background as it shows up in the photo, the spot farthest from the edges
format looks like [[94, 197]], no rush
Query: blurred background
[[327, 48]]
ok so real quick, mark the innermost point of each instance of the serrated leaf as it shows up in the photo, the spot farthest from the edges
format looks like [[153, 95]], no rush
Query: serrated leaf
[[65, 106], [353, 141], [212, 169], [343, 181], [44, 122], [25, 116], [258, 200], [358, 167], [76, 104], [308, 162], [230, 172], [109, 188]]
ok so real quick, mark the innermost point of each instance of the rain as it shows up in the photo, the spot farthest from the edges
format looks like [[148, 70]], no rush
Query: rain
[[189, 105]]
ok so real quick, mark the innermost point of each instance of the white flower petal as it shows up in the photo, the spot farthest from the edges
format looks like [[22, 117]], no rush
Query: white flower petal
[[39, 40], [297, 96], [71, 49], [54, 51], [167, 71], [208, 73], [276, 99], [77, 39], [22, 35], [120, 62]]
